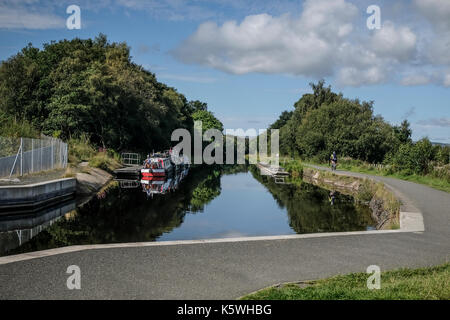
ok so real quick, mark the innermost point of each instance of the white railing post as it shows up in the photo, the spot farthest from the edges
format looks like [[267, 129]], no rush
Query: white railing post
[[21, 156], [51, 148], [32, 155]]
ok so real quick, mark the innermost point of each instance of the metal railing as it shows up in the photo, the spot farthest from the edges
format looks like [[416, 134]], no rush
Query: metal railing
[[130, 159], [21, 156]]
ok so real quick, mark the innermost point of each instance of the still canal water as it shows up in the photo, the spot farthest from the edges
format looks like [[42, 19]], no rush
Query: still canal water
[[213, 203]]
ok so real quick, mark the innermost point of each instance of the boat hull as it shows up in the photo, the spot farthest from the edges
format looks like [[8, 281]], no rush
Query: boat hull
[[150, 173]]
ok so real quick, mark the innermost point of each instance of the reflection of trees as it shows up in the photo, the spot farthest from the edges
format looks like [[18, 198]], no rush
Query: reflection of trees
[[309, 208], [209, 188], [126, 215], [206, 191]]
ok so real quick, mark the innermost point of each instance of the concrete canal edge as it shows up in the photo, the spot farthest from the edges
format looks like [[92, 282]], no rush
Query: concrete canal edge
[[33, 196], [410, 221]]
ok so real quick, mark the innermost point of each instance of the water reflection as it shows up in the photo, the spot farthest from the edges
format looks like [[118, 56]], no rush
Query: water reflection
[[312, 209], [15, 231], [212, 202]]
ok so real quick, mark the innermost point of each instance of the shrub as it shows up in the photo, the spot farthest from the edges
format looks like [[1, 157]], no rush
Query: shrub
[[80, 149], [295, 168], [366, 191], [413, 158], [17, 129], [105, 162]]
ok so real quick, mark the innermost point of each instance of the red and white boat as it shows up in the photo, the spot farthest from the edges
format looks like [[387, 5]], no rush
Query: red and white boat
[[156, 166]]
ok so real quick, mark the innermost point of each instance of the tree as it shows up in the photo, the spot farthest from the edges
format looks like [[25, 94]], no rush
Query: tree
[[208, 119], [324, 121], [403, 132], [282, 120]]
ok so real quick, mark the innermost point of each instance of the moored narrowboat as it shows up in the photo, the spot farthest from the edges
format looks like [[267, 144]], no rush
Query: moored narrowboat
[[157, 165]]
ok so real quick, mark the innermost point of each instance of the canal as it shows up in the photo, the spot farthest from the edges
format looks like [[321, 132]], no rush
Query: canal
[[234, 201]]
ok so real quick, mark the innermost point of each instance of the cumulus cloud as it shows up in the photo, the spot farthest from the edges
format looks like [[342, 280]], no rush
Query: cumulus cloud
[[415, 80], [23, 18], [319, 42], [326, 39], [262, 43], [394, 42], [436, 11]]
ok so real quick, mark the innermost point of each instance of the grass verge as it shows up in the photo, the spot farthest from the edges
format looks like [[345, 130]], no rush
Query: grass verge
[[438, 183], [434, 182], [432, 283], [80, 150]]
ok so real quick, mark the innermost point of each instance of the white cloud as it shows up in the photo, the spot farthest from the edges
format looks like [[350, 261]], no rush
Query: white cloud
[[22, 18], [267, 44], [396, 43], [320, 42], [415, 80], [350, 76], [436, 11]]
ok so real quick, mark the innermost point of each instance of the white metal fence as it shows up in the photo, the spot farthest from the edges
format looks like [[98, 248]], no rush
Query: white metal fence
[[21, 156], [130, 159]]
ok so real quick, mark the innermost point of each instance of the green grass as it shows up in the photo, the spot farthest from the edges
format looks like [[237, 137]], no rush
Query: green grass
[[105, 161], [80, 150], [432, 283], [428, 180]]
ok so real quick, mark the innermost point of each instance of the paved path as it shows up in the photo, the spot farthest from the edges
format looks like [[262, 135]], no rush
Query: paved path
[[228, 270]]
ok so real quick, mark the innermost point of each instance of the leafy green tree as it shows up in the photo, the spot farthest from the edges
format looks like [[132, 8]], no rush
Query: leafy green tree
[[208, 119], [282, 120], [324, 121], [403, 132], [413, 158]]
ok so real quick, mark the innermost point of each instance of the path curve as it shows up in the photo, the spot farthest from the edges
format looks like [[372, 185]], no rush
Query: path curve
[[227, 270]]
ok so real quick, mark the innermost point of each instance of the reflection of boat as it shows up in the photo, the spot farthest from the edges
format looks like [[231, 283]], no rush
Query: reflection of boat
[[270, 170], [127, 183], [16, 230], [156, 185]]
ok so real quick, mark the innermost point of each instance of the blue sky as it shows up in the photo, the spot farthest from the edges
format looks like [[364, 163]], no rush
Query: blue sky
[[250, 60]]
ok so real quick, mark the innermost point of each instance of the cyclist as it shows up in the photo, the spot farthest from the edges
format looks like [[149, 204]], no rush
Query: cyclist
[[333, 160]]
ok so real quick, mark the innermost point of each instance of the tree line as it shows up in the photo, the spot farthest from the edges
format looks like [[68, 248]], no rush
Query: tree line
[[324, 121], [92, 87]]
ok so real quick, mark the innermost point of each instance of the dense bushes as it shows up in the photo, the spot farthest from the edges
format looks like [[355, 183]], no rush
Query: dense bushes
[[16, 129], [412, 158]]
